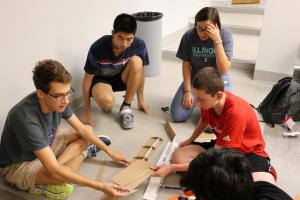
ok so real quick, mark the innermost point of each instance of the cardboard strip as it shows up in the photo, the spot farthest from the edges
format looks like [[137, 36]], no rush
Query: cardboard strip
[[99, 174], [169, 130], [153, 142], [147, 150]]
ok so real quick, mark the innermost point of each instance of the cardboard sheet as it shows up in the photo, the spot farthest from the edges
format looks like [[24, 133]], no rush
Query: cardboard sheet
[[133, 175], [205, 137]]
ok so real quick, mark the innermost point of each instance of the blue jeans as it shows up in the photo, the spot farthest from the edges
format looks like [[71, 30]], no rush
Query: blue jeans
[[180, 113]]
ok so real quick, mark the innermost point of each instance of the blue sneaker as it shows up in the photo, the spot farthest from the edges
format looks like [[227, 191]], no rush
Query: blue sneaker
[[92, 150]]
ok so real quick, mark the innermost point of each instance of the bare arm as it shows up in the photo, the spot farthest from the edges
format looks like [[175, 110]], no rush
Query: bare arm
[[201, 126], [222, 61], [165, 169], [86, 85], [86, 132], [140, 96], [187, 101], [65, 174], [223, 64], [186, 73]]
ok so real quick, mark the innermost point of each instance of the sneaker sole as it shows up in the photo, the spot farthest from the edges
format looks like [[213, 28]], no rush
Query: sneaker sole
[[127, 126]]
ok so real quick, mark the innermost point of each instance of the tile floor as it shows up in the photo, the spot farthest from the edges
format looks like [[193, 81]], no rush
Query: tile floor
[[159, 92]]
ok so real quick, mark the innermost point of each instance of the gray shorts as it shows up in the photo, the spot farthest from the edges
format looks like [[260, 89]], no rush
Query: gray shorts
[[22, 175]]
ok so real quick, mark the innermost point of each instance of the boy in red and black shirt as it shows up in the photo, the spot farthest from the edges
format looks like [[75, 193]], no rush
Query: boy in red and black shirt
[[232, 120]]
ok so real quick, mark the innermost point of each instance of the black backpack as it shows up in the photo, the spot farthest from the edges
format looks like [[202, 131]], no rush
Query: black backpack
[[275, 107]]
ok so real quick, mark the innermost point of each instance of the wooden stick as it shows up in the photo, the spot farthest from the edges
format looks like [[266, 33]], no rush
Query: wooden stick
[[100, 172]]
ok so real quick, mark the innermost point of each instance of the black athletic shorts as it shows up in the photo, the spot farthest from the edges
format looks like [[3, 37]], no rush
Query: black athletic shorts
[[257, 163], [261, 164], [115, 82]]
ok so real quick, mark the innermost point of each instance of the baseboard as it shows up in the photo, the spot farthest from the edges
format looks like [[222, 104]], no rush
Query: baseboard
[[267, 76], [242, 9], [243, 29]]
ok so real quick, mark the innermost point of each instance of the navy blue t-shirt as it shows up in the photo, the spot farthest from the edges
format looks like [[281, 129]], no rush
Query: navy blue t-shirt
[[27, 129], [102, 62]]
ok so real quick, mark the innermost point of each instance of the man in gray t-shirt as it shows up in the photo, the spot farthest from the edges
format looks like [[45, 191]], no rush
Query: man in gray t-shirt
[[34, 155], [27, 129]]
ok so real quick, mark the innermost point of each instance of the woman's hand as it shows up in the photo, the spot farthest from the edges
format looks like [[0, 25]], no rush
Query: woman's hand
[[214, 32], [187, 101]]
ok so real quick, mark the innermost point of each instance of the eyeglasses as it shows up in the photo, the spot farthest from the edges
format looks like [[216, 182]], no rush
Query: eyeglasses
[[61, 96], [200, 29]]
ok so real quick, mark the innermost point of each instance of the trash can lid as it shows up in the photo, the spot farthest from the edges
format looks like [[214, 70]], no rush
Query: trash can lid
[[147, 16]]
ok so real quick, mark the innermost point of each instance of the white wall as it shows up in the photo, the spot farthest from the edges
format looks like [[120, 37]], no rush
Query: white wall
[[279, 41], [32, 30]]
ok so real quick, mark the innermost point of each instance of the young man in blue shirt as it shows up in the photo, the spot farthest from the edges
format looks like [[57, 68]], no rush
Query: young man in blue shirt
[[115, 63]]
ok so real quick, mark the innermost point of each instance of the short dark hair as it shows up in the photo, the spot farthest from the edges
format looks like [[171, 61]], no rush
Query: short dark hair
[[209, 80], [47, 71], [219, 174], [125, 23], [208, 13]]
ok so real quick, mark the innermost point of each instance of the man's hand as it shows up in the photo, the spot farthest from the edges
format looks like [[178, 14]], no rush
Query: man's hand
[[185, 142], [119, 158], [86, 118], [162, 170], [113, 190], [187, 101], [143, 107]]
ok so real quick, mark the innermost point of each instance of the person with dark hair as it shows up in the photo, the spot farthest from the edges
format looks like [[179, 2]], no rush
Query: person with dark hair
[[35, 156], [223, 174], [115, 63], [207, 44], [232, 120]]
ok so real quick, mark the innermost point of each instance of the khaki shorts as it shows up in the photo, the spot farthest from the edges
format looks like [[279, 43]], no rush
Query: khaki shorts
[[22, 175]]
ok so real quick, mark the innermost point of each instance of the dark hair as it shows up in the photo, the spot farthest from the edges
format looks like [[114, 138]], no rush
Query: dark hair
[[209, 80], [125, 23], [219, 174], [47, 71], [208, 13]]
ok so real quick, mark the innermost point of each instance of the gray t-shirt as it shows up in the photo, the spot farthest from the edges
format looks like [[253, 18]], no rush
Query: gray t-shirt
[[27, 129], [201, 53]]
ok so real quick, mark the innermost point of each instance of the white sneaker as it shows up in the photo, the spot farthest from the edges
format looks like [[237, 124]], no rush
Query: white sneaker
[[126, 117]]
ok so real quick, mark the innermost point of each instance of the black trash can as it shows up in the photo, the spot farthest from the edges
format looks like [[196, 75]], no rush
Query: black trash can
[[149, 29]]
